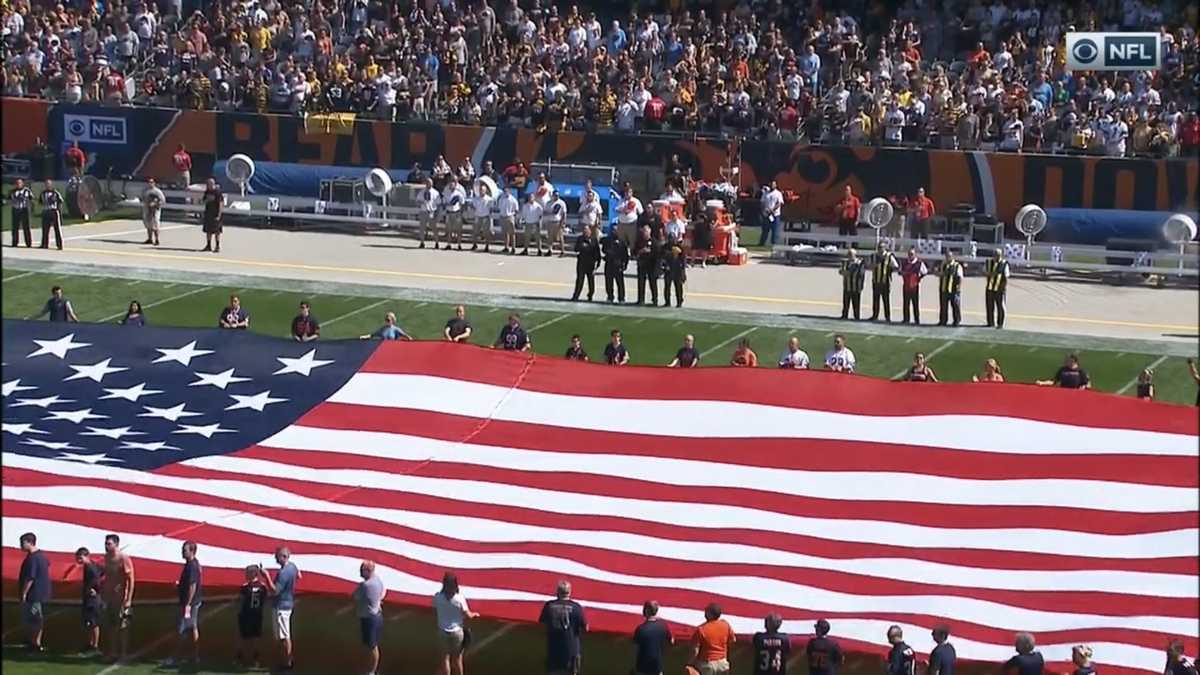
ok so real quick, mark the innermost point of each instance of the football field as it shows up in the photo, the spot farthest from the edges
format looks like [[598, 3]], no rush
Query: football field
[[652, 335]]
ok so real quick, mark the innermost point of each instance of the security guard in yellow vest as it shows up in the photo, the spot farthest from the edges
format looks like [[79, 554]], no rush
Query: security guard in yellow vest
[[854, 273], [881, 282], [997, 286], [950, 289]]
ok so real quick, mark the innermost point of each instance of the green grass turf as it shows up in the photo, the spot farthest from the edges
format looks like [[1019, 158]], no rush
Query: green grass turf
[[651, 341]]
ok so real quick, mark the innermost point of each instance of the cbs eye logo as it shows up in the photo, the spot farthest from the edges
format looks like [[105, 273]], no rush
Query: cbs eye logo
[[1085, 51], [76, 128]]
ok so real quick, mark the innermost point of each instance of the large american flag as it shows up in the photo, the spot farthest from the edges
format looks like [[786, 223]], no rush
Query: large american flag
[[995, 508]]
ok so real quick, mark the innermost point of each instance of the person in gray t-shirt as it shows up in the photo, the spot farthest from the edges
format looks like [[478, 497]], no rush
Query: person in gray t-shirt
[[152, 204], [368, 600]]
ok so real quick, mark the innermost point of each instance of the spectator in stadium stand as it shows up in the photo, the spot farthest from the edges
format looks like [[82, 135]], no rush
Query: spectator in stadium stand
[[991, 372], [368, 603], [884, 267], [33, 584], [513, 337], [283, 600], [565, 623], [182, 162], [252, 600], [507, 207], [92, 574], [1069, 376], [575, 351], [652, 638], [853, 273], [950, 290], [214, 208], [452, 612], [21, 203], [901, 659], [793, 357], [152, 203], [615, 352], [52, 202], [390, 330], [919, 371], [191, 596], [846, 211], [428, 203], [771, 203], [771, 647], [840, 359], [1027, 661], [744, 356], [686, 356], [920, 210], [1081, 656], [234, 316], [912, 270], [997, 272], [616, 260], [1177, 663], [116, 596], [711, 643], [305, 327], [134, 315], [58, 308], [458, 329], [822, 652], [943, 657], [75, 159]]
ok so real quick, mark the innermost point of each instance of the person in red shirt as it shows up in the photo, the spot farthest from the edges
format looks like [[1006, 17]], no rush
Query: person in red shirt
[[76, 159], [114, 87], [1189, 134], [920, 210], [980, 55], [847, 213], [655, 113], [182, 162]]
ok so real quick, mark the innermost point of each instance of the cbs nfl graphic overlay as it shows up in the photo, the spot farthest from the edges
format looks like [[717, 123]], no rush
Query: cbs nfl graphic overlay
[[1114, 51], [94, 129]]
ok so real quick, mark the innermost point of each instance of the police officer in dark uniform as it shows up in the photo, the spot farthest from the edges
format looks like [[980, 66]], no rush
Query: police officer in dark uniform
[[853, 275], [616, 259], [586, 261], [52, 206], [674, 274], [950, 289], [881, 283], [997, 287], [21, 201], [647, 252]]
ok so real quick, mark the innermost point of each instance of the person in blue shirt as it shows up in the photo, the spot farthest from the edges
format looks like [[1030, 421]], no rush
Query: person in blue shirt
[[652, 637], [1026, 661], [943, 656], [565, 624], [389, 330], [283, 595], [33, 584], [617, 40], [191, 596], [771, 648], [134, 316], [58, 308]]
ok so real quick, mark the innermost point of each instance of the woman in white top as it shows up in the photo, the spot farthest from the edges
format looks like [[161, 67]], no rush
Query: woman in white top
[[452, 612]]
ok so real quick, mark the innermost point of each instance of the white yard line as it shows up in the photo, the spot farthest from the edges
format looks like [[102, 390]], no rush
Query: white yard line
[[929, 357], [492, 637], [164, 301], [344, 610], [351, 313], [402, 614], [549, 322], [909, 340], [168, 637], [639, 320], [1130, 384], [118, 234], [420, 305], [725, 343], [22, 275], [869, 337]]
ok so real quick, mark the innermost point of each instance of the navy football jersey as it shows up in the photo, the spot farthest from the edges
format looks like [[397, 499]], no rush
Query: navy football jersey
[[771, 653]]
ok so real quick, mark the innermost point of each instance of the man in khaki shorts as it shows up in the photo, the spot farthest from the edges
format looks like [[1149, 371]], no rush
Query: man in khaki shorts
[[711, 643], [428, 201], [506, 208], [629, 213], [481, 207], [454, 199], [152, 203], [117, 596]]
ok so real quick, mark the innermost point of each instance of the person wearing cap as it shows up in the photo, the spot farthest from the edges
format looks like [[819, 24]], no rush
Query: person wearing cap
[[771, 647], [943, 656], [822, 652], [901, 659]]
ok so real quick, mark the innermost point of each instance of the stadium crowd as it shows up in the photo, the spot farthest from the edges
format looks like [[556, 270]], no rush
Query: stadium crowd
[[108, 586], [946, 73]]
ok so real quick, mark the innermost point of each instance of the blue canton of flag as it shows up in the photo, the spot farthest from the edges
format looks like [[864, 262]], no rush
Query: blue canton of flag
[[141, 398]]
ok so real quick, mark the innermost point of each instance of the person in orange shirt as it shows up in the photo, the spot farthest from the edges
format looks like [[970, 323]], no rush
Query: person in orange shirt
[[847, 213], [744, 356], [711, 643], [920, 210]]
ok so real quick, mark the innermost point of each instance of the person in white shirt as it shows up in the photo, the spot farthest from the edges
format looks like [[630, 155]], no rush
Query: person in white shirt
[[454, 199], [428, 202], [590, 210], [840, 359], [772, 207], [629, 212], [543, 191], [1013, 132], [554, 222], [627, 115], [466, 171], [793, 357], [1115, 131], [506, 208], [481, 216], [452, 614], [893, 125], [530, 223]]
